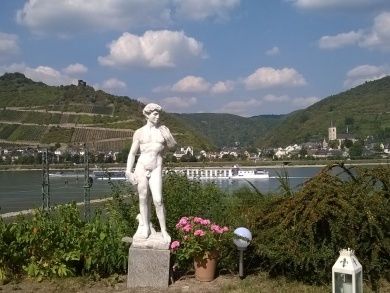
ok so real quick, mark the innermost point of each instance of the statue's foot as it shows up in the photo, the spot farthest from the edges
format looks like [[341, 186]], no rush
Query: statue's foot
[[143, 232], [166, 237]]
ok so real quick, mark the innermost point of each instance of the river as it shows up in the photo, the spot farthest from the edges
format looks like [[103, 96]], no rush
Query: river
[[21, 190]]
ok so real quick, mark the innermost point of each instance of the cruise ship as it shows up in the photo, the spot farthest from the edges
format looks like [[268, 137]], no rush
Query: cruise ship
[[109, 175], [233, 173]]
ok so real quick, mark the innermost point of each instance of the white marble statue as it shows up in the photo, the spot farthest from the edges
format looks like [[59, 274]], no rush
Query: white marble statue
[[151, 139]]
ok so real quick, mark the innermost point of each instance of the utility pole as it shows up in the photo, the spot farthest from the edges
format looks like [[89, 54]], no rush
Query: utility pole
[[45, 181], [87, 185]]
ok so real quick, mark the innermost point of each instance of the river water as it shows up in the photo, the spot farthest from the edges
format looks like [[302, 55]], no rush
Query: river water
[[20, 190]]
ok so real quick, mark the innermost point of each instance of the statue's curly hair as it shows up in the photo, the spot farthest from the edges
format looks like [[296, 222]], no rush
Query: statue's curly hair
[[151, 107]]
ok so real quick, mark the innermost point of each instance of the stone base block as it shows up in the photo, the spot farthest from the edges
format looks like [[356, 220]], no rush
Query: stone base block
[[148, 268]]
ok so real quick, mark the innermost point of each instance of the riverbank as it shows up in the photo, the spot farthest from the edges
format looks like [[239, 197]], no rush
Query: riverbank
[[258, 164]]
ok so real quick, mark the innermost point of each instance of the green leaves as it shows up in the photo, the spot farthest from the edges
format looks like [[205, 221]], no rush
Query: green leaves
[[59, 243]]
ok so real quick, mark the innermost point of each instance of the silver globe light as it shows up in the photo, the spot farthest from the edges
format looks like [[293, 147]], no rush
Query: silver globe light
[[242, 238]]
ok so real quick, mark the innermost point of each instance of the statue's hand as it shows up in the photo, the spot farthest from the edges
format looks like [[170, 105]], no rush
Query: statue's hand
[[131, 177]]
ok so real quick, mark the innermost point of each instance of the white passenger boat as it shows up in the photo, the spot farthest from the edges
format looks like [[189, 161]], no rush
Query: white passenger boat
[[224, 173], [109, 175], [62, 174]]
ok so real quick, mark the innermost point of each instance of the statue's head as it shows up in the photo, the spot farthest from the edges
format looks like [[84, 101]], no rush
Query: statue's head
[[151, 107]]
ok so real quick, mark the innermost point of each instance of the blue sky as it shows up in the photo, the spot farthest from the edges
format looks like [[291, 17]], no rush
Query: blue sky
[[245, 57]]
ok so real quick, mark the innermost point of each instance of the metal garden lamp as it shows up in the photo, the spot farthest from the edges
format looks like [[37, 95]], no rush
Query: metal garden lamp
[[242, 238], [347, 273]]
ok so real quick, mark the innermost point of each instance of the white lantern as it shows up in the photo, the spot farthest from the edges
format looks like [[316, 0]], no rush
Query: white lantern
[[347, 273]]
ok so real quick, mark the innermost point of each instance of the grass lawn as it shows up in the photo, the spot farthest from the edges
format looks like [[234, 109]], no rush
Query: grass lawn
[[226, 283]]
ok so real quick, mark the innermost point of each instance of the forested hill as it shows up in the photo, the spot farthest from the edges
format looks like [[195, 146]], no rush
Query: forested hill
[[228, 129], [363, 110], [35, 113]]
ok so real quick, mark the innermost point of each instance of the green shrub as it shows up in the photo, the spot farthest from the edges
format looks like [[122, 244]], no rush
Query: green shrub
[[60, 243], [297, 235], [184, 197], [300, 236]]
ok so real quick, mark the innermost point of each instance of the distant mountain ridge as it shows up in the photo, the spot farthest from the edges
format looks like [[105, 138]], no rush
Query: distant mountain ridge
[[229, 129], [48, 114], [363, 111]]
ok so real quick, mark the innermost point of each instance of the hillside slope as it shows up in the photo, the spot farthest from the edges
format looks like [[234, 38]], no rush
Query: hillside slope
[[228, 129], [363, 110], [35, 113]]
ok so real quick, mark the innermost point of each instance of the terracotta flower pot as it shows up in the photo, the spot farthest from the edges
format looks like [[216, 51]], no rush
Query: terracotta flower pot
[[206, 266]]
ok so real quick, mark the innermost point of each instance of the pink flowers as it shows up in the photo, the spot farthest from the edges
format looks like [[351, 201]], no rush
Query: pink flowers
[[175, 245], [198, 235], [219, 230]]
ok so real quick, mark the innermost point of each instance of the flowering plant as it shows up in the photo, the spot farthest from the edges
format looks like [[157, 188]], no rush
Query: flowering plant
[[198, 236]]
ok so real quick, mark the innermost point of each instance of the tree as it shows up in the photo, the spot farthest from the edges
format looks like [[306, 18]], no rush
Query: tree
[[334, 144], [348, 143], [356, 150]]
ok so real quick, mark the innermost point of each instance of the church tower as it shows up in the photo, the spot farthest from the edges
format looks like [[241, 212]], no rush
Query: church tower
[[332, 132]]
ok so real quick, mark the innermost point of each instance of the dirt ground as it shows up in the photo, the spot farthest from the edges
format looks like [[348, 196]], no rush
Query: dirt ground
[[113, 284]]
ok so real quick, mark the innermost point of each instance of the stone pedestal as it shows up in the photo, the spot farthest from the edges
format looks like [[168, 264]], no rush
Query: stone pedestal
[[148, 267]]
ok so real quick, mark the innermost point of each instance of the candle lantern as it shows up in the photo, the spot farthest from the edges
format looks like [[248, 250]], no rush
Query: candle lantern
[[347, 273]]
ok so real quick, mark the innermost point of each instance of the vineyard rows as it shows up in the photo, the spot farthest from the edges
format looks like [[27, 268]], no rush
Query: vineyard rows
[[103, 146], [6, 130], [102, 110], [58, 135], [87, 135], [27, 132], [10, 115], [64, 118]]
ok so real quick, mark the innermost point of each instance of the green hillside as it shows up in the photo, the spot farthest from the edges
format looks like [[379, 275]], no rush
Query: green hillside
[[364, 110], [33, 112], [228, 129]]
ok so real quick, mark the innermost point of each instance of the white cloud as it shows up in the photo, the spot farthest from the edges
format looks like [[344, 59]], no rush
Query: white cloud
[[177, 104], [376, 37], [329, 4], [76, 69], [340, 40], [304, 102], [191, 84], [379, 35], [242, 108], [48, 75], [197, 84], [273, 51], [153, 49], [363, 73], [64, 18], [276, 99], [202, 9], [113, 85], [222, 87], [9, 45], [266, 77], [45, 74]]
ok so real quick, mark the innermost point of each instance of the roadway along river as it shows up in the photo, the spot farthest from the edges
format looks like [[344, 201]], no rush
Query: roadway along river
[[20, 190]]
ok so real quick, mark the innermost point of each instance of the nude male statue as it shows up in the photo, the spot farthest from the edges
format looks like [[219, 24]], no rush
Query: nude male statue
[[151, 139]]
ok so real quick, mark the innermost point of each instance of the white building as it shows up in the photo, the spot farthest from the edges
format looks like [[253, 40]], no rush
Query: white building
[[183, 151]]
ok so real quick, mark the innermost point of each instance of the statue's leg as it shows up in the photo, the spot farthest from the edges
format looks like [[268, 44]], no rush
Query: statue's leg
[[155, 185], [144, 210]]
